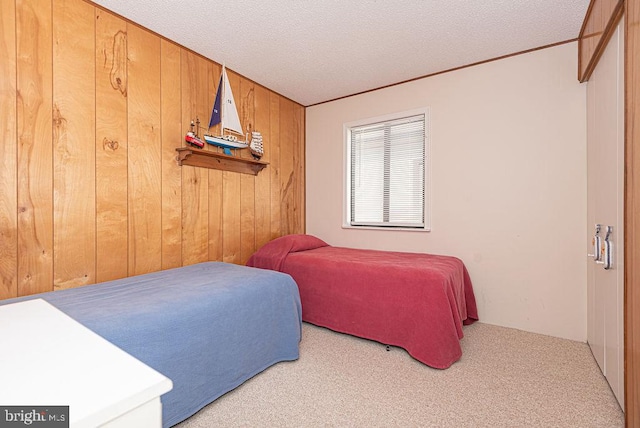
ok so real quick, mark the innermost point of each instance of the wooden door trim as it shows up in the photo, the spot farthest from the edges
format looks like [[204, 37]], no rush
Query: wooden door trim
[[599, 24], [632, 216]]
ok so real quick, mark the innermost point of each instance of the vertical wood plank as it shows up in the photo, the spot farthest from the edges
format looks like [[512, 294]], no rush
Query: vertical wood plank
[[231, 217], [287, 178], [172, 137], [111, 147], [243, 91], [298, 165], [145, 175], [195, 181], [302, 169], [632, 219], [74, 220], [215, 215], [231, 200], [274, 165], [247, 217], [263, 179], [34, 168], [215, 179], [8, 153], [73, 144], [247, 182]]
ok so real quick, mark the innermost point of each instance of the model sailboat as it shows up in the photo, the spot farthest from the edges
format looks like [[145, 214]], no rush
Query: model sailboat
[[225, 113], [256, 145]]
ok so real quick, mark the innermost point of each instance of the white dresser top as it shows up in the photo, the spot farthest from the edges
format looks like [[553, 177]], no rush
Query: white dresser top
[[48, 358]]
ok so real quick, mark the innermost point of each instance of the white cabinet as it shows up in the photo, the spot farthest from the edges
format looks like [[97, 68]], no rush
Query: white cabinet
[[49, 359], [605, 207]]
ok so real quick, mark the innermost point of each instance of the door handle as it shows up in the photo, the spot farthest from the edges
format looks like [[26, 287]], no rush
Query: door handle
[[603, 249], [596, 242], [607, 250]]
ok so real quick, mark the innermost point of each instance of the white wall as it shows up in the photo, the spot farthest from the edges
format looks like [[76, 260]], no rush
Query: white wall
[[508, 183]]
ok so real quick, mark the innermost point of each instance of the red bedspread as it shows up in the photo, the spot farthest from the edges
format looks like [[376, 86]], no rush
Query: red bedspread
[[416, 301]]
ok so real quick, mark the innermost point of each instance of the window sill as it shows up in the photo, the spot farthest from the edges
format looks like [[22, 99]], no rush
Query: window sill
[[388, 229]]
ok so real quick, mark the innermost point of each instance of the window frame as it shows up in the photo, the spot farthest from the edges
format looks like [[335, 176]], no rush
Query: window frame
[[346, 182]]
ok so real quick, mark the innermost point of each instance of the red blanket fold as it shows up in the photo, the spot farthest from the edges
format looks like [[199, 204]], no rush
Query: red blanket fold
[[416, 301]]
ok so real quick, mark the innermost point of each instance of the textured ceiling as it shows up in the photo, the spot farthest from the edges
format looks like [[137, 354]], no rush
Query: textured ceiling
[[317, 50]]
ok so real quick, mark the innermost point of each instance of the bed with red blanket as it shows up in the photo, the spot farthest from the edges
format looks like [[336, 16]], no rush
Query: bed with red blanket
[[415, 301]]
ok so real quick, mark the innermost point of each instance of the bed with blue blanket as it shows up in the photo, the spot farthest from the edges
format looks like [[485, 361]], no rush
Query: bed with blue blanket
[[208, 327]]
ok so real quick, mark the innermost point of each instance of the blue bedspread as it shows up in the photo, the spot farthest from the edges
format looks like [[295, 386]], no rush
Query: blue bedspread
[[208, 327]]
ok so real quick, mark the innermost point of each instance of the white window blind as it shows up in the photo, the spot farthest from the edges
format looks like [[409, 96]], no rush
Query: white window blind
[[387, 173]]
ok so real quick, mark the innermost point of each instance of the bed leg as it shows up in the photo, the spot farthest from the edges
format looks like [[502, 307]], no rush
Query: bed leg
[[388, 348]]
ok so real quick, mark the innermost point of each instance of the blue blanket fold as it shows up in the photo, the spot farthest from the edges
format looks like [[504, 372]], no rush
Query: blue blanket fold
[[208, 327]]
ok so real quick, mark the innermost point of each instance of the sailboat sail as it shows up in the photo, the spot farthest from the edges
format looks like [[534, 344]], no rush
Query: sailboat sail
[[230, 114], [216, 116], [225, 112]]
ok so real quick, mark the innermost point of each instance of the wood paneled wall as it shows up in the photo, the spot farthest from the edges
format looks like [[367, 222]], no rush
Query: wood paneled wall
[[92, 108]]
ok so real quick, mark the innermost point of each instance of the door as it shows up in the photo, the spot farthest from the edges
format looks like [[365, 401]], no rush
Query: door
[[605, 207]]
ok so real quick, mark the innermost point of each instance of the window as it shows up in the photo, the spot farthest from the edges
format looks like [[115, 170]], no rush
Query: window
[[386, 168]]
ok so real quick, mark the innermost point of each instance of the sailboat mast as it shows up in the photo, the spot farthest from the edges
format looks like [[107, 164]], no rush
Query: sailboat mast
[[222, 103]]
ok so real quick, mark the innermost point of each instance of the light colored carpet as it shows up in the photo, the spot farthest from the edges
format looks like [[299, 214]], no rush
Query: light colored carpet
[[506, 378]]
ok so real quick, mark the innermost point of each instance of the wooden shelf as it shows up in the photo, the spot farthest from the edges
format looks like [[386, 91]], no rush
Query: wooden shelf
[[213, 160]]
